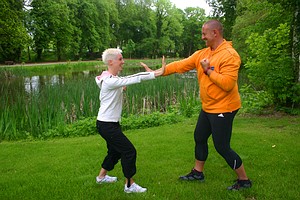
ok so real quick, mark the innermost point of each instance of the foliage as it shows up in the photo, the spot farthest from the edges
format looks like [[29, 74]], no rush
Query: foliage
[[150, 120], [256, 17], [274, 59], [267, 63], [77, 30], [193, 17], [225, 11], [129, 48], [80, 128], [74, 27], [14, 37], [254, 101]]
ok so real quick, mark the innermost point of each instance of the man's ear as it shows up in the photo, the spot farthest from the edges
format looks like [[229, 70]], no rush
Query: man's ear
[[215, 32]]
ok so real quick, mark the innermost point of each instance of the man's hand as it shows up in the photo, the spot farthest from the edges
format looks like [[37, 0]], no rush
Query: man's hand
[[205, 63], [205, 66], [161, 70], [157, 72]]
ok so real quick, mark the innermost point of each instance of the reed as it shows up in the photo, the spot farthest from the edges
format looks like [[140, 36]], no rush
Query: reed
[[30, 115], [163, 94]]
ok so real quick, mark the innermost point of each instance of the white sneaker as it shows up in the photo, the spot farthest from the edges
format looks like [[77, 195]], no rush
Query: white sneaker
[[106, 179], [134, 188]]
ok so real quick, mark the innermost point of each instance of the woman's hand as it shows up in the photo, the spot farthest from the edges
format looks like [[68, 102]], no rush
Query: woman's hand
[[146, 67]]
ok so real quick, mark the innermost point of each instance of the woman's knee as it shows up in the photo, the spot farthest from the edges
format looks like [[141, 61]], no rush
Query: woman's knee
[[131, 152]]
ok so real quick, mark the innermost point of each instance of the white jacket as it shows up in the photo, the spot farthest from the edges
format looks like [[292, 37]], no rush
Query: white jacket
[[111, 93]]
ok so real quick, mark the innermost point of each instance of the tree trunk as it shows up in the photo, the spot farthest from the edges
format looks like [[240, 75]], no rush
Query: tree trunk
[[39, 54], [28, 52], [296, 42]]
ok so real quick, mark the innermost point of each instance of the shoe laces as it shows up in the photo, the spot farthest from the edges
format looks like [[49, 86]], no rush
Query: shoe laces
[[107, 178], [236, 185], [136, 186]]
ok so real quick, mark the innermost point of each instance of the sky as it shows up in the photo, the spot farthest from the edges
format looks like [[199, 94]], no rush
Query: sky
[[182, 4]]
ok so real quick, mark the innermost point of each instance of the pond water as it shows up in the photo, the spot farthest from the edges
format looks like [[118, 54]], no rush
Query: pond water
[[36, 83]]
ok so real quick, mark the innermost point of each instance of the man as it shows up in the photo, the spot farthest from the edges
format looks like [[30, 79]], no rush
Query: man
[[217, 71], [109, 115]]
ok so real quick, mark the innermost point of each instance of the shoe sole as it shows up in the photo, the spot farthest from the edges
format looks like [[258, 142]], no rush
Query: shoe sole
[[129, 192], [105, 182], [241, 188], [192, 180]]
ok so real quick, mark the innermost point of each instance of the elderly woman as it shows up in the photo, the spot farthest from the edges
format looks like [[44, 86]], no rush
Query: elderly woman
[[109, 115]]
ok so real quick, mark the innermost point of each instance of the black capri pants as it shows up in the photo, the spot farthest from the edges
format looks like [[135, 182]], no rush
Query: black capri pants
[[220, 127], [118, 147]]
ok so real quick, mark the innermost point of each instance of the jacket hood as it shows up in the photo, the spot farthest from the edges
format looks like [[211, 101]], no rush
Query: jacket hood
[[225, 44], [100, 78]]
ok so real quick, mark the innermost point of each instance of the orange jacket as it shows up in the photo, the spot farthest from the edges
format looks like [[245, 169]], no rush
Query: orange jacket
[[219, 91]]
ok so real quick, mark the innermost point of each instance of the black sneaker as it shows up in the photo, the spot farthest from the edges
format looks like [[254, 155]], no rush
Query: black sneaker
[[240, 184], [193, 176]]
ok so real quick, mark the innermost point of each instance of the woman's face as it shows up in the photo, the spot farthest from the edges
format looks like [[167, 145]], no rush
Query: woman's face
[[117, 64]]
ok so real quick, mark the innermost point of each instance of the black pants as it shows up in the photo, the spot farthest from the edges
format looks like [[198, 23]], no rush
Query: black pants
[[220, 127], [119, 147]]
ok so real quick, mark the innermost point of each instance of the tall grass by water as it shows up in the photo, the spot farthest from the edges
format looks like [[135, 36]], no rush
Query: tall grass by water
[[43, 110], [31, 114]]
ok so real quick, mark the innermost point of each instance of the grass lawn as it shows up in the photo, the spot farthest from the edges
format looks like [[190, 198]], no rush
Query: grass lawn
[[66, 168]]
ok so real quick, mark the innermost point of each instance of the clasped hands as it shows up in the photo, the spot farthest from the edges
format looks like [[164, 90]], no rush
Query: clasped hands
[[157, 72]]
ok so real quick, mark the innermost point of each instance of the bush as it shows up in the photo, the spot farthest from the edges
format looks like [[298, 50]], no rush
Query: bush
[[254, 101], [87, 126], [269, 64], [150, 120]]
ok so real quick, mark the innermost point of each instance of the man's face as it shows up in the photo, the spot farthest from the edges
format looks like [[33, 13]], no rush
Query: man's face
[[117, 64], [208, 35]]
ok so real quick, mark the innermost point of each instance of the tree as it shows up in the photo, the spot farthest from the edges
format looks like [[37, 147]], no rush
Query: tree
[[293, 7], [225, 11], [256, 17], [136, 24], [267, 63], [129, 48], [192, 23], [87, 14], [168, 27], [13, 34], [59, 27], [106, 23], [74, 46], [38, 27], [267, 28]]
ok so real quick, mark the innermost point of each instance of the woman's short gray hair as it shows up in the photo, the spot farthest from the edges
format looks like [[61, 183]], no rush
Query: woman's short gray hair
[[110, 54]]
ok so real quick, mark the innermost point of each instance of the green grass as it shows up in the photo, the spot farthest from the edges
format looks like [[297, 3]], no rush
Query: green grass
[[66, 168]]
